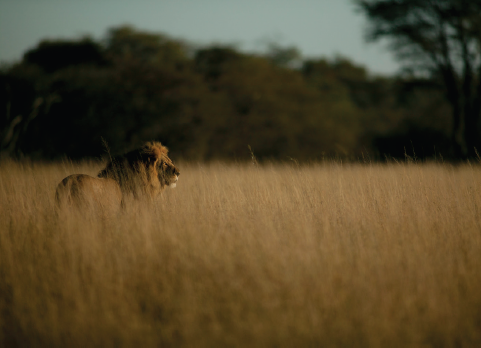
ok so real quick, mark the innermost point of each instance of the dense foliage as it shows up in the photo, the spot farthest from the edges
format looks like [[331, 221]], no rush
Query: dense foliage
[[443, 38], [69, 97]]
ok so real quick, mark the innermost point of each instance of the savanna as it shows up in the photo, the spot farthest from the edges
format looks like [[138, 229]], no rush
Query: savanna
[[322, 254]]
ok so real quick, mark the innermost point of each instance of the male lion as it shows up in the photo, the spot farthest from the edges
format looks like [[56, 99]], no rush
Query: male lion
[[141, 173]]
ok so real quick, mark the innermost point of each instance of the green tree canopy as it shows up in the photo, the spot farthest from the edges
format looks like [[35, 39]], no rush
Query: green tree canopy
[[442, 37], [128, 43], [54, 55]]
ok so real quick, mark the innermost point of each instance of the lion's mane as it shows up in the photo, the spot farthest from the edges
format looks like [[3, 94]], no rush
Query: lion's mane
[[144, 171]]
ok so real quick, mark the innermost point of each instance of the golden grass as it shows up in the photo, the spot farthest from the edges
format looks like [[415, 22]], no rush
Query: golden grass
[[243, 255]]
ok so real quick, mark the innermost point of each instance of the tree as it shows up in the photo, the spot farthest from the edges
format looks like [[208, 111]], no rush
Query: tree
[[58, 54], [23, 100], [289, 57], [126, 42], [442, 37]]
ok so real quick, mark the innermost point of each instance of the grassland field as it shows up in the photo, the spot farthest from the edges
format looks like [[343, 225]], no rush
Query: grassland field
[[242, 255]]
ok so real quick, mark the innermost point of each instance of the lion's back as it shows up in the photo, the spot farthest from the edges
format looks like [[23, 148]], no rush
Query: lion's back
[[83, 190]]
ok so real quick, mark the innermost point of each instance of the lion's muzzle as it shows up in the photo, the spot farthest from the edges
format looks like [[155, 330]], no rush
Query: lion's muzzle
[[174, 183]]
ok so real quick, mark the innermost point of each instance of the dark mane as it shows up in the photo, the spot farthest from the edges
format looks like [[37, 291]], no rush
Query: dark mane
[[138, 169]]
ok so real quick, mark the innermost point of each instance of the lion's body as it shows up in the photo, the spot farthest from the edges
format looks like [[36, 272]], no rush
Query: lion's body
[[83, 191], [139, 174]]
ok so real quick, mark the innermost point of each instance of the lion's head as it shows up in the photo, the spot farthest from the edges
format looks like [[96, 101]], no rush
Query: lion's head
[[168, 173], [147, 170]]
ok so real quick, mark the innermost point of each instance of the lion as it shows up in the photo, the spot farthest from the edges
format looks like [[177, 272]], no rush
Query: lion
[[138, 174]]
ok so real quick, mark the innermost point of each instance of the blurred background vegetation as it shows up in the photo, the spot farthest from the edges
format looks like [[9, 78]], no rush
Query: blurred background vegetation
[[65, 97]]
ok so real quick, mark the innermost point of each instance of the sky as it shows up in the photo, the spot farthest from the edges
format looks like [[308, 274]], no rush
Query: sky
[[318, 28]]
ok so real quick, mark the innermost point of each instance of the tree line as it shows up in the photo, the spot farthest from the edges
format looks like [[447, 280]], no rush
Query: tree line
[[70, 97]]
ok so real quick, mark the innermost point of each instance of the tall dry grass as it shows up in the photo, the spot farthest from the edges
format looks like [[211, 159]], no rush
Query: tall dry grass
[[238, 255]]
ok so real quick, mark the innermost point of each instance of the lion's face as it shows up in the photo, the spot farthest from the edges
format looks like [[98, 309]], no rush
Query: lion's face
[[168, 173]]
